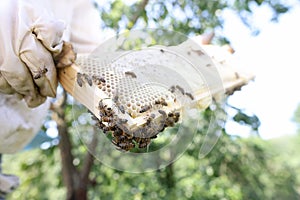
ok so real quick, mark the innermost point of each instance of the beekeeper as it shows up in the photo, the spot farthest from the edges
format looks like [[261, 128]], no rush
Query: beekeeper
[[31, 37]]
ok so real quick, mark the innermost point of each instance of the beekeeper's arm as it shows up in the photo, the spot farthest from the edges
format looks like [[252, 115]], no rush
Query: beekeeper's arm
[[29, 38], [31, 35]]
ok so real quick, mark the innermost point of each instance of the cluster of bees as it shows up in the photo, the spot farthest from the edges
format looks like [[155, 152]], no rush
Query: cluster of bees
[[110, 121], [125, 139], [81, 78], [173, 88]]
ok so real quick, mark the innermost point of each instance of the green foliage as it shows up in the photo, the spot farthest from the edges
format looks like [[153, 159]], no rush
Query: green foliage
[[39, 172], [188, 16], [236, 168], [296, 117], [286, 151], [245, 119]]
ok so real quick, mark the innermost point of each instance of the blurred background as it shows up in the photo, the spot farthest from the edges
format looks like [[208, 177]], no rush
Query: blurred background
[[257, 154]]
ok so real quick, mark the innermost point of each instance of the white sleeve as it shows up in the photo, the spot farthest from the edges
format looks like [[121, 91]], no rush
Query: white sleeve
[[19, 124], [83, 23], [86, 34]]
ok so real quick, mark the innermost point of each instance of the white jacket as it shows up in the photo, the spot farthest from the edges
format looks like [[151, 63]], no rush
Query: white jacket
[[18, 123]]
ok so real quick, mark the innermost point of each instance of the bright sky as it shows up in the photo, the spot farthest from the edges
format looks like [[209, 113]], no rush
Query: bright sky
[[273, 56]]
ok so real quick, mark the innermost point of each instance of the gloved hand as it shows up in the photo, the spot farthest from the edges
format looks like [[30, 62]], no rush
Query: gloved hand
[[30, 38]]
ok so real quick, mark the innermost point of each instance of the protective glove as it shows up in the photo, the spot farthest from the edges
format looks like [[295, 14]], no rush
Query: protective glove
[[30, 37]]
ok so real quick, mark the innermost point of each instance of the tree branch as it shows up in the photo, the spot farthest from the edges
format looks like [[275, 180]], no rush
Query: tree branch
[[89, 158], [75, 181], [141, 8], [69, 171]]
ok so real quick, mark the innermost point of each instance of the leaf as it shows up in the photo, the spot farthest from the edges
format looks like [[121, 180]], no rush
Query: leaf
[[243, 118]]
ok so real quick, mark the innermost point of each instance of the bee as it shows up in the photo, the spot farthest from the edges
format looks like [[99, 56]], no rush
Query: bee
[[145, 108], [138, 133], [169, 122], [130, 74], [161, 128], [177, 114], [126, 146], [106, 119], [105, 129], [88, 79], [172, 89], [152, 116], [101, 105], [144, 142], [102, 80], [122, 109], [40, 73], [153, 137], [122, 121], [149, 120], [98, 79], [118, 131], [180, 89], [123, 145], [189, 95], [95, 79], [116, 98], [163, 113], [151, 130], [102, 113], [123, 128], [198, 52], [114, 141], [237, 76], [170, 114], [122, 142], [102, 109], [176, 117], [108, 111], [79, 79], [122, 138], [163, 102], [100, 124], [94, 118]]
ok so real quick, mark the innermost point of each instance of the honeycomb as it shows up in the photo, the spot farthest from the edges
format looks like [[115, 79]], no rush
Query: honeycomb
[[132, 94], [143, 101]]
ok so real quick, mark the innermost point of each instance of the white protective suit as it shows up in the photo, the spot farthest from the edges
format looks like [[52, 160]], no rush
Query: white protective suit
[[31, 34]]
